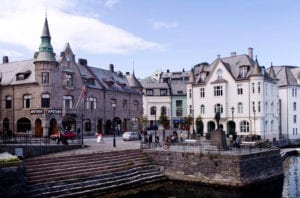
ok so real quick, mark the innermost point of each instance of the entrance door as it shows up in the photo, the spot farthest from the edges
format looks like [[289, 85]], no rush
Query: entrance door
[[38, 128]]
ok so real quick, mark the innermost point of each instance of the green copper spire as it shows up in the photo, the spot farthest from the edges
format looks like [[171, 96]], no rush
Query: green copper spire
[[45, 53], [45, 45]]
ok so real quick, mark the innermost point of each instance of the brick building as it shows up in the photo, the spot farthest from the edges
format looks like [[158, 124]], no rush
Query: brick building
[[50, 93]]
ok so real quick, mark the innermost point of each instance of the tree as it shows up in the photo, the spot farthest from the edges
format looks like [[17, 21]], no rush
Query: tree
[[163, 120], [144, 121], [188, 121]]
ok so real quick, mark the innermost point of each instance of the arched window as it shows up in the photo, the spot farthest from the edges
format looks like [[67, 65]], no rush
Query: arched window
[[220, 74], [272, 125], [218, 108], [202, 109], [240, 107], [163, 110], [244, 126], [153, 110], [295, 106]]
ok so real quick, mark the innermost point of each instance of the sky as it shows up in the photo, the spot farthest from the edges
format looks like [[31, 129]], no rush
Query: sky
[[149, 35]]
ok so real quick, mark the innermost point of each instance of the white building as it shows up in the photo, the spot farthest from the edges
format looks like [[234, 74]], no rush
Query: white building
[[289, 100], [243, 92]]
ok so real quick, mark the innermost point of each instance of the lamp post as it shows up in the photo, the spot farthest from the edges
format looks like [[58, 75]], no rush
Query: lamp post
[[232, 112], [193, 121], [113, 104], [155, 123], [254, 118]]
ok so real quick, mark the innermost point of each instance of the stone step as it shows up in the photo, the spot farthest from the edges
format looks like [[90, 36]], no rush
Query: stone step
[[83, 173], [41, 162], [102, 181], [67, 166]]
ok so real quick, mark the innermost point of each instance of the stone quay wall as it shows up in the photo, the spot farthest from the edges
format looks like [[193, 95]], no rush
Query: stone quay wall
[[220, 168]]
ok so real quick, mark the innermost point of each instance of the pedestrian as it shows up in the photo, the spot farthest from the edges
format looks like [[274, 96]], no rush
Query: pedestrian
[[100, 137]]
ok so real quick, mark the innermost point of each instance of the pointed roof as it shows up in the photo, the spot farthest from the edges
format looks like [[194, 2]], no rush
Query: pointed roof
[[45, 53], [256, 69], [272, 72]]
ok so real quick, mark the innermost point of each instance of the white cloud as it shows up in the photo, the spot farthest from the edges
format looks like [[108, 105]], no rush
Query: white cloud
[[111, 3], [163, 25], [21, 23]]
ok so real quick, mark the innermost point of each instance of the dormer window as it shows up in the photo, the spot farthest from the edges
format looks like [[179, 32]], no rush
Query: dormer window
[[220, 74], [23, 75], [243, 71], [203, 76], [91, 81]]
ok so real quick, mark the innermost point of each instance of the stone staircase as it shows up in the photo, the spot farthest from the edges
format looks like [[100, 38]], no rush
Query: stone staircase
[[89, 175]]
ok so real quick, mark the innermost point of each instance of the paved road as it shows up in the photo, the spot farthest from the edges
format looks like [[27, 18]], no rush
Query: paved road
[[92, 146]]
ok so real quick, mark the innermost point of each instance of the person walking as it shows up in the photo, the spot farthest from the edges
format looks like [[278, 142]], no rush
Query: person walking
[[100, 137]]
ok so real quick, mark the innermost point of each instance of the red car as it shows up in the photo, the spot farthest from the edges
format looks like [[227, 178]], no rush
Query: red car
[[63, 135]]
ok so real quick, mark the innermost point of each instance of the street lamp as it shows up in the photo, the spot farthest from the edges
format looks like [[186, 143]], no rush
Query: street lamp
[[113, 104], [232, 112], [155, 122], [254, 118]]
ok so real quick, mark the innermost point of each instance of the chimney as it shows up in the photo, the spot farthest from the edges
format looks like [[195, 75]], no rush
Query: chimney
[[218, 56], [82, 61], [168, 70], [183, 70], [233, 54], [111, 67], [5, 59], [127, 73], [250, 52]]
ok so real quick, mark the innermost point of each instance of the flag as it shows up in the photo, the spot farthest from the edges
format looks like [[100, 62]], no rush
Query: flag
[[82, 95]]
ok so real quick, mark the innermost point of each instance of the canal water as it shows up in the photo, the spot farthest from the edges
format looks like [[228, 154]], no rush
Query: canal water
[[287, 187]]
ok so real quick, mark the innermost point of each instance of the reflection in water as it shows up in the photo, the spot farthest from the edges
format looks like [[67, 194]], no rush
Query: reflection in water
[[291, 186], [184, 190]]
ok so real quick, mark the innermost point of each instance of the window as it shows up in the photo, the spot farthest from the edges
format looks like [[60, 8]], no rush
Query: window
[[244, 127], [258, 87], [243, 72], [295, 119], [220, 73], [191, 110], [68, 102], [202, 109], [253, 107], [202, 76], [125, 103], [69, 78], [149, 92], [26, 101], [153, 110], [240, 107], [202, 92], [240, 89], [218, 108], [135, 105], [163, 92], [45, 100], [88, 125], [272, 125], [8, 102], [294, 106], [272, 105], [258, 106], [253, 87], [294, 92], [163, 110], [218, 90], [179, 109], [190, 93], [91, 103], [45, 77]]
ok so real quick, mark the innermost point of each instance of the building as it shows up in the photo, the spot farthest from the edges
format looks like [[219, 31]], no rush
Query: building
[[289, 89], [245, 95], [50, 93]]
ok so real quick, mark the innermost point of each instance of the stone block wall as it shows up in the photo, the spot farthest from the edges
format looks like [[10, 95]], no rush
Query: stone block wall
[[218, 168]]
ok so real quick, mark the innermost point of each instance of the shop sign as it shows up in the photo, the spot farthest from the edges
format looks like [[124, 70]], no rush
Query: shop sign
[[54, 111], [36, 111]]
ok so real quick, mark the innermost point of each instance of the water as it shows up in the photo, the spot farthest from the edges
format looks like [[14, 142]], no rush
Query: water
[[291, 187], [287, 187]]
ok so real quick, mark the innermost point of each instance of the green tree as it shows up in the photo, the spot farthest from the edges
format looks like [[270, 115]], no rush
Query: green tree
[[164, 121], [144, 121]]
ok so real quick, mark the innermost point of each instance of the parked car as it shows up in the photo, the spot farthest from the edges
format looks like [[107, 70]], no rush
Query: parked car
[[131, 135]]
